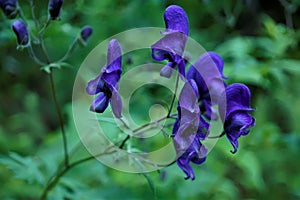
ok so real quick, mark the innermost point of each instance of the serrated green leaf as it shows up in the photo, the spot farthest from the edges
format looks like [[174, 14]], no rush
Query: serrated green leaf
[[24, 168]]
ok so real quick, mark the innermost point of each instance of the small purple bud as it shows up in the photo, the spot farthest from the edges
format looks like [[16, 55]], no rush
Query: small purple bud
[[55, 8], [21, 32], [85, 33], [9, 7]]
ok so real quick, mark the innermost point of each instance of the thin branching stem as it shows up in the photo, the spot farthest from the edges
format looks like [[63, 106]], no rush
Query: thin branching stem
[[69, 52], [60, 119], [55, 179]]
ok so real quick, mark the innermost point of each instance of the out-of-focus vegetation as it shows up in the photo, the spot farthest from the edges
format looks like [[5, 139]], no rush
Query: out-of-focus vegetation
[[259, 41]]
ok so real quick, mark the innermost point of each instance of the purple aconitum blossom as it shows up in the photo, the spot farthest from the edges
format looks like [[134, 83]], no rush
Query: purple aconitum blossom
[[105, 85], [9, 7], [207, 72], [85, 33], [237, 118], [21, 32], [54, 9], [172, 45], [188, 130]]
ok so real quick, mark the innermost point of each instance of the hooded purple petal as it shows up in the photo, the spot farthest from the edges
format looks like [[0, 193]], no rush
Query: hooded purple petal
[[235, 98], [172, 45], [237, 125], [21, 32], [196, 153], [176, 19], [237, 117], [207, 72], [95, 86], [114, 57], [187, 104], [116, 104], [100, 103], [171, 48]]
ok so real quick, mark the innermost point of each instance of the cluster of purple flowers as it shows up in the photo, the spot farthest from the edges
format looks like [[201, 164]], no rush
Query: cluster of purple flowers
[[11, 9], [203, 91]]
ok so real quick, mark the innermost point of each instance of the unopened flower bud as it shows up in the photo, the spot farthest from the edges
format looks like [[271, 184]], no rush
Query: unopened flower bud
[[9, 7], [85, 33], [21, 32], [55, 9]]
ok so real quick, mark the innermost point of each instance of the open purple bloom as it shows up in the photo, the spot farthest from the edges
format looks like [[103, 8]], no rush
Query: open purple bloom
[[21, 32], [85, 33], [188, 130], [237, 117], [172, 45], [9, 7], [54, 8], [105, 85], [207, 72]]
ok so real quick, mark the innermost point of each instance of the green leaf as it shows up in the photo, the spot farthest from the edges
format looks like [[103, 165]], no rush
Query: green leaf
[[24, 168]]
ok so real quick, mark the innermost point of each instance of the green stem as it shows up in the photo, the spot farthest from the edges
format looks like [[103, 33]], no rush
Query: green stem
[[69, 52], [218, 136], [34, 57], [41, 32], [21, 14], [53, 181], [60, 118], [36, 23]]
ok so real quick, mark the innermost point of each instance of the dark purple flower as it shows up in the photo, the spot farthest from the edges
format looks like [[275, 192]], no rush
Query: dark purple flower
[[207, 72], [105, 85], [188, 130], [196, 153], [21, 32], [85, 33], [54, 9], [172, 45], [237, 118], [9, 7]]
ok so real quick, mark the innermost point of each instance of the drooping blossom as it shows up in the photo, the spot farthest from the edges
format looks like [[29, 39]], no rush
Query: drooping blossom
[[236, 113], [189, 129], [171, 46], [105, 85], [207, 72]]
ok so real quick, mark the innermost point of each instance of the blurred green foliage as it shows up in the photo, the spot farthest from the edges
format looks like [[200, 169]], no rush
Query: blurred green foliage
[[259, 50]]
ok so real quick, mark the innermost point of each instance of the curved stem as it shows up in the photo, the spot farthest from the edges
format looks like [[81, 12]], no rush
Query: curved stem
[[69, 52], [21, 14], [53, 181], [41, 32], [34, 57], [36, 23], [60, 118], [153, 122], [218, 136]]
